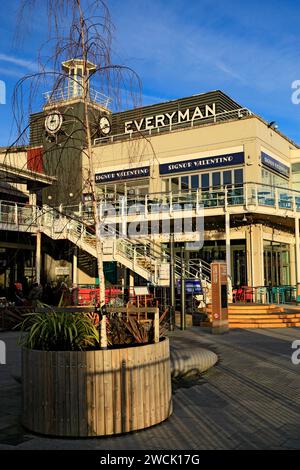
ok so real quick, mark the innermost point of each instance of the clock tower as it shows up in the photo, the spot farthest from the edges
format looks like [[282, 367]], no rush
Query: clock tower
[[60, 130]]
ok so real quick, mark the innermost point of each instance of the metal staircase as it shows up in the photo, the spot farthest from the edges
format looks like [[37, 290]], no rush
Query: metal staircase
[[141, 256]]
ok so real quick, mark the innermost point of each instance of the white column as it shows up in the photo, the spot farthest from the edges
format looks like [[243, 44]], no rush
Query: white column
[[38, 257], [227, 235], [75, 266], [228, 255]]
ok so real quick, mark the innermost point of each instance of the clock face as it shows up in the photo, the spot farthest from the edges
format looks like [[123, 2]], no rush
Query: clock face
[[104, 125], [53, 122]]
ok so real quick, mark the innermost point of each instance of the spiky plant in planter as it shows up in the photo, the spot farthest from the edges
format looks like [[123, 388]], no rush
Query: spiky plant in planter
[[59, 331]]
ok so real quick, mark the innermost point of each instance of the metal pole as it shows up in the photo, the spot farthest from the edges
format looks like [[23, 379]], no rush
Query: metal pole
[[38, 258], [172, 282], [182, 289]]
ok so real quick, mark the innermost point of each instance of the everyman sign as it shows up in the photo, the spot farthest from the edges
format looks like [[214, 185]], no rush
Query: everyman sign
[[167, 119]]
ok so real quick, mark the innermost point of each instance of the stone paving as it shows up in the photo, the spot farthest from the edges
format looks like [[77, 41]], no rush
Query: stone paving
[[249, 400]]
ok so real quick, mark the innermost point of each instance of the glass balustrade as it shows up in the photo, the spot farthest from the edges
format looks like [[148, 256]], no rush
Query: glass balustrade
[[248, 194]]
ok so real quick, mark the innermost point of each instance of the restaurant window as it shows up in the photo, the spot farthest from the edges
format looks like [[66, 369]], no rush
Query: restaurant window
[[227, 178], [174, 184], [216, 180], [272, 179], [194, 181], [184, 183], [205, 181], [238, 176]]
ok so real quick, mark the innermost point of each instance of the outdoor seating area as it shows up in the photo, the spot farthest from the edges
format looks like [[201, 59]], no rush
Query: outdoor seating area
[[265, 295]]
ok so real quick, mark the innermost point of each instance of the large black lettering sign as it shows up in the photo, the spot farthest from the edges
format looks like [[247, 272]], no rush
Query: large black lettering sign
[[204, 163]]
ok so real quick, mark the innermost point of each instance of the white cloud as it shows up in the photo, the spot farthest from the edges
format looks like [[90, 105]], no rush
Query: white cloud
[[27, 64]]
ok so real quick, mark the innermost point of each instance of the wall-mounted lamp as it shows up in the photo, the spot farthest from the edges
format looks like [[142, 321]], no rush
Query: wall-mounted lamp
[[273, 125]]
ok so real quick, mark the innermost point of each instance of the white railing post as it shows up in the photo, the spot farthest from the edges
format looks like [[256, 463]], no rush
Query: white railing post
[[16, 214], [134, 257], [101, 210], [146, 205], [255, 195], [226, 197], [155, 271], [197, 201], [276, 198], [123, 203]]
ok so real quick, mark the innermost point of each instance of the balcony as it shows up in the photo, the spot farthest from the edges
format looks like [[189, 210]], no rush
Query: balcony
[[68, 93], [247, 197]]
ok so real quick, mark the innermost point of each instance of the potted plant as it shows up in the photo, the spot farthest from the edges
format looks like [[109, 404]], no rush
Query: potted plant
[[71, 387]]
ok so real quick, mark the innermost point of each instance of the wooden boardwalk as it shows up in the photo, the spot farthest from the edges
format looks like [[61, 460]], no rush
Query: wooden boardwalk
[[249, 400]]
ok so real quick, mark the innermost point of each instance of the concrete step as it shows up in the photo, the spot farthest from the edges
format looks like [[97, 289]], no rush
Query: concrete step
[[249, 311], [263, 325], [255, 325], [246, 306], [269, 316], [266, 320]]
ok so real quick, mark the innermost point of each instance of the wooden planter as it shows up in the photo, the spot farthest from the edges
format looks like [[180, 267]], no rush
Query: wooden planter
[[96, 393]]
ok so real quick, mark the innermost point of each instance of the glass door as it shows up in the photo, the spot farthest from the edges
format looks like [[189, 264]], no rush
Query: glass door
[[276, 264], [238, 268]]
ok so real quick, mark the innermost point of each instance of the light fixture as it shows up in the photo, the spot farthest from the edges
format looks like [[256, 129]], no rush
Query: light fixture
[[244, 218], [273, 125], [71, 194], [49, 197]]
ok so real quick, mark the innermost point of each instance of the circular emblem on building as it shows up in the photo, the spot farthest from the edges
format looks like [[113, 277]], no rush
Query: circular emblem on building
[[104, 125], [53, 122]]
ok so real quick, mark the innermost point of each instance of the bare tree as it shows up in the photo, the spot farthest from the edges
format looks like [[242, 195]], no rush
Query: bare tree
[[87, 37]]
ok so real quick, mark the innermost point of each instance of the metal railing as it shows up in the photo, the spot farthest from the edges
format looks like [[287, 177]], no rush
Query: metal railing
[[68, 93], [249, 195], [17, 214], [235, 114]]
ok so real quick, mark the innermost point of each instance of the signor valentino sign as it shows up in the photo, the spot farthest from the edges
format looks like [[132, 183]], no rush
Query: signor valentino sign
[[117, 175], [167, 119], [274, 165], [202, 163]]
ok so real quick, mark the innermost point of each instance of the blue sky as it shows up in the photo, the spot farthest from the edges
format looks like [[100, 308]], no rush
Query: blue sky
[[250, 50]]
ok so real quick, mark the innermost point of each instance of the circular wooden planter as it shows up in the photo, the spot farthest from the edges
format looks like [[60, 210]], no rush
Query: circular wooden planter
[[96, 393]]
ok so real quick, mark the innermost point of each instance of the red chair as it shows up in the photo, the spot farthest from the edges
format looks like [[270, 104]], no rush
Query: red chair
[[248, 294]]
